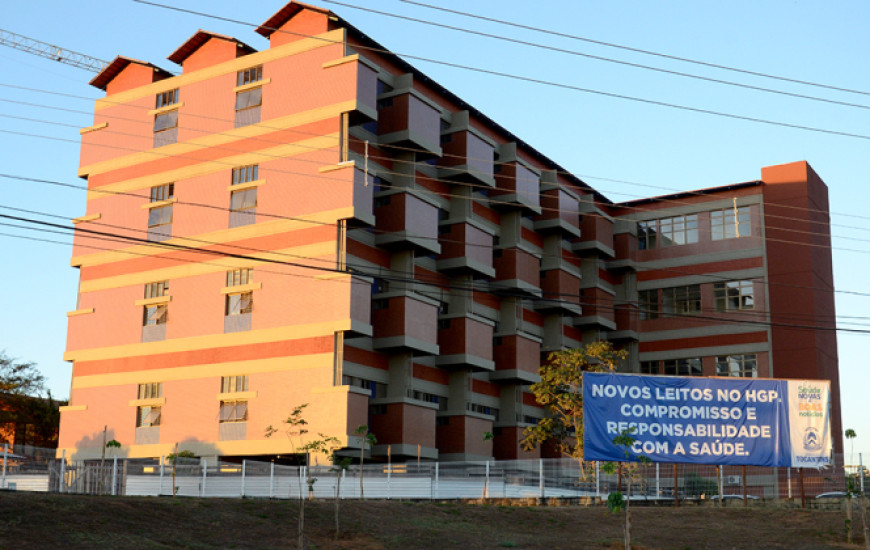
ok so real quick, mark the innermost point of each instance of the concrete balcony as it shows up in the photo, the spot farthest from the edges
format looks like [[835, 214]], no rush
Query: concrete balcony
[[597, 239], [517, 185], [465, 249], [405, 322], [406, 221], [406, 119], [517, 359], [459, 437], [560, 292], [598, 309], [466, 343], [516, 272], [403, 424], [560, 211], [467, 158]]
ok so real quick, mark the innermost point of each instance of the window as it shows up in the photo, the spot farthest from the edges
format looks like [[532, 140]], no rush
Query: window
[[678, 230], [684, 367], [162, 192], [166, 123], [155, 315], [244, 174], [377, 389], [681, 300], [733, 295], [151, 390], [234, 411], [649, 367], [161, 216], [233, 384], [648, 304], [147, 417], [730, 223], [646, 235], [744, 366], [248, 101], [156, 290], [238, 277], [248, 76], [240, 304], [166, 98], [482, 409]]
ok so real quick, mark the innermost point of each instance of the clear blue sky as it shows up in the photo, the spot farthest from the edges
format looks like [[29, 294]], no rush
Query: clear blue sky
[[625, 149]]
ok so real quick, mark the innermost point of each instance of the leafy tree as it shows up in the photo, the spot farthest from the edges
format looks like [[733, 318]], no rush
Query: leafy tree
[[173, 459], [35, 419], [697, 486], [340, 465], [560, 392], [367, 438], [851, 435]]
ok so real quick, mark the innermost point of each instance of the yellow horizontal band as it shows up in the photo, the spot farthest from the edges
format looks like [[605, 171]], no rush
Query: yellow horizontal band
[[165, 109], [341, 61], [83, 311], [246, 185], [252, 85], [238, 289], [233, 368], [236, 395], [152, 402], [94, 128], [158, 204], [72, 408], [153, 301], [88, 218], [175, 345]]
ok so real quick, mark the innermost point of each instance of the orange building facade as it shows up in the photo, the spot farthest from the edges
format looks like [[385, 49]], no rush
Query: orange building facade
[[321, 223]]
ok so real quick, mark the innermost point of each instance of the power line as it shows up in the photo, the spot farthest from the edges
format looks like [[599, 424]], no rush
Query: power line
[[600, 58], [375, 157], [636, 50], [540, 81], [497, 292]]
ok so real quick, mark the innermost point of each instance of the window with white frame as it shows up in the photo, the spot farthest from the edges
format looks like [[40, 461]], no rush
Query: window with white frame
[[234, 384], [733, 296], [248, 99], [730, 223], [742, 366]]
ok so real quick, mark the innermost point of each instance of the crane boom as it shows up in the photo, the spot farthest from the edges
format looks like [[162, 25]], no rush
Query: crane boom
[[50, 51]]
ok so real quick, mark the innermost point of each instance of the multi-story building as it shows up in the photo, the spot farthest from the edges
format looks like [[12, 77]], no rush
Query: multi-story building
[[321, 223]]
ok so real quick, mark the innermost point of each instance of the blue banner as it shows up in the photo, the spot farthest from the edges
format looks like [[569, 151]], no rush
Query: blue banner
[[717, 421]]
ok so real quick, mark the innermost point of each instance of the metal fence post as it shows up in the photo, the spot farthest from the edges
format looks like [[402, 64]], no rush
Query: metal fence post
[[272, 481], [204, 470], [114, 475], [162, 463], [436, 480], [860, 466], [5, 458], [62, 471], [389, 476], [658, 482], [486, 482], [243, 477], [597, 479], [788, 473], [541, 476]]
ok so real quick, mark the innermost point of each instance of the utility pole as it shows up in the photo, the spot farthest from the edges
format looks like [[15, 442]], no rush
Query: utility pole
[[50, 51]]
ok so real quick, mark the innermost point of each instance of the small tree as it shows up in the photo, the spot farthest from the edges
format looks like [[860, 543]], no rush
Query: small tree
[[850, 435], [340, 465], [173, 459], [615, 501], [295, 430], [367, 438], [560, 392], [487, 436]]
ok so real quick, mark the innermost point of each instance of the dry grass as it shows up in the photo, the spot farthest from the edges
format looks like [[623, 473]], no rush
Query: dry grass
[[72, 521]]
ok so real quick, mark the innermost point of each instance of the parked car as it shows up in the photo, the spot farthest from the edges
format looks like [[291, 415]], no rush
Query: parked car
[[832, 494], [735, 497]]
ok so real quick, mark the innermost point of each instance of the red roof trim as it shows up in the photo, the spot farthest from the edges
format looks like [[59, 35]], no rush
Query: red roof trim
[[285, 14], [114, 68], [198, 40]]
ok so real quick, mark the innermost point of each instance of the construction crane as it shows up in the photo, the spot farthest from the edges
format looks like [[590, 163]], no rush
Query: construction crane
[[50, 51]]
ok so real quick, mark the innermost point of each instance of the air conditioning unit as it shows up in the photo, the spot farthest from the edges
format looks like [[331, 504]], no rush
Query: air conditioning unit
[[732, 480]]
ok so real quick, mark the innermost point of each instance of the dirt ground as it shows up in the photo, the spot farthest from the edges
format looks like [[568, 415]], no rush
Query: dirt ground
[[35, 520]]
